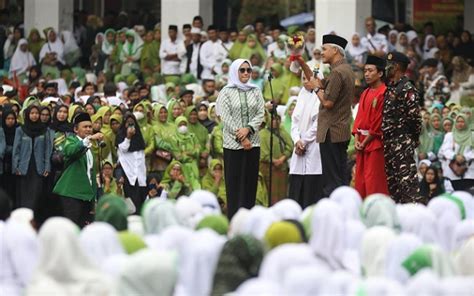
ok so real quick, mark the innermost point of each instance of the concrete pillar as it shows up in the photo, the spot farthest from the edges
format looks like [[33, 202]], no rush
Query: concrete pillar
[[42, 14], [342, 16], [468, 19], [180, 12]]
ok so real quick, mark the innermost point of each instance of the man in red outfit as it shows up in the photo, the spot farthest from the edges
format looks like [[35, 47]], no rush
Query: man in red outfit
[[370, 165]]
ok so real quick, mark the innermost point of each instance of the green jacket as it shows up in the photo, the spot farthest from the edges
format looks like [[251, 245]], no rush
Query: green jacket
[[74, 182]]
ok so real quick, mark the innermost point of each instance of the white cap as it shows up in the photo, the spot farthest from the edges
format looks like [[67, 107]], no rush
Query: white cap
[[195, 30]]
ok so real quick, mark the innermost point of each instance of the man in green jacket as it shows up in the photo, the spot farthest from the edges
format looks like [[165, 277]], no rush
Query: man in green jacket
[[77, 185]]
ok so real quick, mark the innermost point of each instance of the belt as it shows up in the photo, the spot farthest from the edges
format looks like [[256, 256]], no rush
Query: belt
[[363, 132]]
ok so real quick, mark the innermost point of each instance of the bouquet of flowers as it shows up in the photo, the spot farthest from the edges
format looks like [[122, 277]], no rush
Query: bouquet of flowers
[[296, 47]]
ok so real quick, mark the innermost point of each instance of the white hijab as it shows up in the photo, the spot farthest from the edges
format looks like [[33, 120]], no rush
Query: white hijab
[[149, 272], [21, 60], [424, 282], [468, 202], [70, 44], [99, 241], [198, 263], [328, 236], [463, 258], [50, 47], [304, 280], [63, 268], [447, 215], [285, 257], [306, 108], [287, 209], [418, 220], [18, 256], [234, 80], [258, 286], [376, 286], [207, 200], [463, 231], [258, 221], [356, 52], [349, 200], [238, 221], [398, 250], [374, 250], [189, 211], [159, 214]]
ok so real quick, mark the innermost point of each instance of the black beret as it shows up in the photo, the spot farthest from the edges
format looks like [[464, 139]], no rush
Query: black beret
[[384, 29], [398, 57], [374, 60], [83, 116], [173, 27], [186, 92], [186, 26], [334, 39], [430, 63]]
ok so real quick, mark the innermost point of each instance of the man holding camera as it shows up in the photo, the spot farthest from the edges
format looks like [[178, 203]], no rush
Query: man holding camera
[[77, 185]]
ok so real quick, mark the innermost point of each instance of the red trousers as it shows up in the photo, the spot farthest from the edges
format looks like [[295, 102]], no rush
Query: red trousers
[[370, 173]]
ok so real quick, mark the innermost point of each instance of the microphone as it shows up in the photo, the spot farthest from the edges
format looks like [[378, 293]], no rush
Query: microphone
[[315, 72], [270, 76]]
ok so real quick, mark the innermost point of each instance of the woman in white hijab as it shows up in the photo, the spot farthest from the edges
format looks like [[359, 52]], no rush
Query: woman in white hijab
[[463, 258], [18, 257], [448, 215], [52, 50], [418, 220], [379, 209], [63, 268], [305, 164], [374, 250], [198, 263], [349, 200], [357, 51], [304, 280], [402, 42], [258, 222], [428, 45], [328, 237], [159, 214], [207, 200], [258, 286], [72, 52], [189, 211], [468, 202], [285, 257], [462, 232], [149, 272], [240, 106], [398, 250], [99, 241], [287, 209], [425, 282], [22, 60]]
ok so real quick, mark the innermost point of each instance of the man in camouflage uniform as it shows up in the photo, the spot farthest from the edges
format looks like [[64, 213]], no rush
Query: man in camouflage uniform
[[435, 85], [401, 127]]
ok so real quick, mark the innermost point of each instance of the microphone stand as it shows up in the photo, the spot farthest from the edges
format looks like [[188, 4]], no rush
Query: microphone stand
[[272, 116]]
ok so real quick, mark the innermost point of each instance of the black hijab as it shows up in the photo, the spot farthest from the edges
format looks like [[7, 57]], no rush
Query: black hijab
[[33, 129], [61, 126], [425, 186], [9, 131], [137, 143], [48, 123]]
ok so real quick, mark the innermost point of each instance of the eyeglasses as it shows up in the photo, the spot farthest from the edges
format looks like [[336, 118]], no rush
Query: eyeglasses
[[242, 70]]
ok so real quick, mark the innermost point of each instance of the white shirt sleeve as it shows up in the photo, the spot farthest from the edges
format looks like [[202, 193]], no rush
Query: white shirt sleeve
[[123, 147]]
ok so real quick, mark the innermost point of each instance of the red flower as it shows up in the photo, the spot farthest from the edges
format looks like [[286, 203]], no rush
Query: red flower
[[296, 39]]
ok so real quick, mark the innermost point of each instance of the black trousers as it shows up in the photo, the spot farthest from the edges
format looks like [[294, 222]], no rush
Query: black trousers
[[334, 162], [306, 189], [241, 178], [136, 193], [78, 211]]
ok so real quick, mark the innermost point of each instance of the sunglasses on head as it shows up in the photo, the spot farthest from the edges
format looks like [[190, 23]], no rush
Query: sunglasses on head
[[242, 70]]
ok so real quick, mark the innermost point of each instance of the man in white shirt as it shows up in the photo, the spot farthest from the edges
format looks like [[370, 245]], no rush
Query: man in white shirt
[[375, 43], [194, 65], [212, 54], [274, 45], [171, 52], [224, 37]]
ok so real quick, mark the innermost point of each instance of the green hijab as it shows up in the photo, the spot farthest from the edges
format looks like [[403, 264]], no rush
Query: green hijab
[[283, 232], [218, 223], [201, 133], [247, 52], [113, 210], [426, 140], [279, 85], [236, 49], [287, 118], [108, 47], [187, 78], [35, 47], [164, 129], [105, 126], [208, 180], [72, 112], [462, 137], [429, 256], [239, 261], [131, 242], [171, 105], [437, 133]]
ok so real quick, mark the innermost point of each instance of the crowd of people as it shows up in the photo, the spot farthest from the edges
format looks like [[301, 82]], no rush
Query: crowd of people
[[163, 139]]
